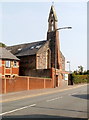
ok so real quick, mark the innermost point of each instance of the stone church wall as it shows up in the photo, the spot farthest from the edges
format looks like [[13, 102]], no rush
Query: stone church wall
[[41, 57], [27, 63], [62, 60], [45, 73]]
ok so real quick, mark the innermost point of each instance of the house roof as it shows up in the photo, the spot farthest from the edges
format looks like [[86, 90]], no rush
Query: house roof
[[5, 54], [26, 49]]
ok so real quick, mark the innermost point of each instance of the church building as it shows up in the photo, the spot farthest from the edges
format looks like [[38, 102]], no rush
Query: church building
[[38, 58]]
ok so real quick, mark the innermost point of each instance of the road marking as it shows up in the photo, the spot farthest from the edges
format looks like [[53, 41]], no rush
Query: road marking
[[46, 93], [53, 99], [17, 109], [72, 94]]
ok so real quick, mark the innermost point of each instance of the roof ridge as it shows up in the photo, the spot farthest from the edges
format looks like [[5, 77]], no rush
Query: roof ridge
[[26, 49], [26, 43]]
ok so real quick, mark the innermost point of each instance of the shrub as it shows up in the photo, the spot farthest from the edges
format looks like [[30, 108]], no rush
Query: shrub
[[80, 78]]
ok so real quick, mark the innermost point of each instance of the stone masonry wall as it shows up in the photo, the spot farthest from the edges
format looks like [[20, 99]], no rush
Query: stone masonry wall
[[26, 64], [62, 60], [51, 37], [45, 73], [41, 57]]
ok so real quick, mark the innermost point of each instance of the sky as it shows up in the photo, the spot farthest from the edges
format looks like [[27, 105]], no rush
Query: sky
[[25, 22], [87, 36]]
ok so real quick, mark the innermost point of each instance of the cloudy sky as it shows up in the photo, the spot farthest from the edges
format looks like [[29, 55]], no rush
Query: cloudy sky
[[25, 22]]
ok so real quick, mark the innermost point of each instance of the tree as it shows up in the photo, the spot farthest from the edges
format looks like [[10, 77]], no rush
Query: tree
[[88, 72], [75, 72], [85, 72], [80, 70], [2, 45]]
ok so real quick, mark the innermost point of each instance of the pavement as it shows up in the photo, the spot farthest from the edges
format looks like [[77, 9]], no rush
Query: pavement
[[33, 93]]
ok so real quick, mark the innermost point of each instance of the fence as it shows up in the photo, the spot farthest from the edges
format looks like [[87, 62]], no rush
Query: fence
[[24, 83]]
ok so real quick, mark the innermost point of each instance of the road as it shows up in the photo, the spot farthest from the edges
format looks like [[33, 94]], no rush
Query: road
[[68, 104]]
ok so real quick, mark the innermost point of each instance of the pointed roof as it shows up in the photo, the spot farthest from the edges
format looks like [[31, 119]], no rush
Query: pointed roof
[[5, 54], [52, 10], [26, 49]]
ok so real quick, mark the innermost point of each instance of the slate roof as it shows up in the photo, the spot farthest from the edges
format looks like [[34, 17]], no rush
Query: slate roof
[[5, 54], [26, 49]]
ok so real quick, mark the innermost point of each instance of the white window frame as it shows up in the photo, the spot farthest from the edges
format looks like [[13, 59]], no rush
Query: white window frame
[[8, 64]]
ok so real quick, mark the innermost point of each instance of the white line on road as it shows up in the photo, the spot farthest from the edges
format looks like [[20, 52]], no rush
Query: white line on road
[[72, 94], [53, 99], [17, 109]]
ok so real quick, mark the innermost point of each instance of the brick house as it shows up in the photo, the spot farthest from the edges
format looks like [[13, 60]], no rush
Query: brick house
[[9, 64], [38, 58]]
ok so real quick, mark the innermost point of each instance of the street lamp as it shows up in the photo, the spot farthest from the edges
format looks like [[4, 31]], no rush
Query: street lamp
[[55, 47], [69, 65], [63, 28]]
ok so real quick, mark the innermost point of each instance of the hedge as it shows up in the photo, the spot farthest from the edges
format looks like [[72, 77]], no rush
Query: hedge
[[80, 79]]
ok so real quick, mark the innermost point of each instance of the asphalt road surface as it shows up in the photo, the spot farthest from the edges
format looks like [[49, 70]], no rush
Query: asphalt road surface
[[68, 104]]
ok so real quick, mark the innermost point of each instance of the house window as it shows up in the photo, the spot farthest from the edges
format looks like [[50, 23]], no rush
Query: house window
[[15, 63], [8, 64]]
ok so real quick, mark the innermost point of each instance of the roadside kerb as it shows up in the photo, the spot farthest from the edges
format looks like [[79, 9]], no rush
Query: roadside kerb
[[39, 94]]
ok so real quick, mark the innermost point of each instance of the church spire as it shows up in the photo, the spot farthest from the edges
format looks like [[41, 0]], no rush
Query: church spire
[[52, 20], [53, 38]]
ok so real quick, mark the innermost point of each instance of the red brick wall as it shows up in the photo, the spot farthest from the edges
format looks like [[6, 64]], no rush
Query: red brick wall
[[61, 81], [3, 62], [20, 83], [2, 70], [48, 83], [7, 71], [17, 84], [13, 70], [1, 85], [25, 83], [36, 83]]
